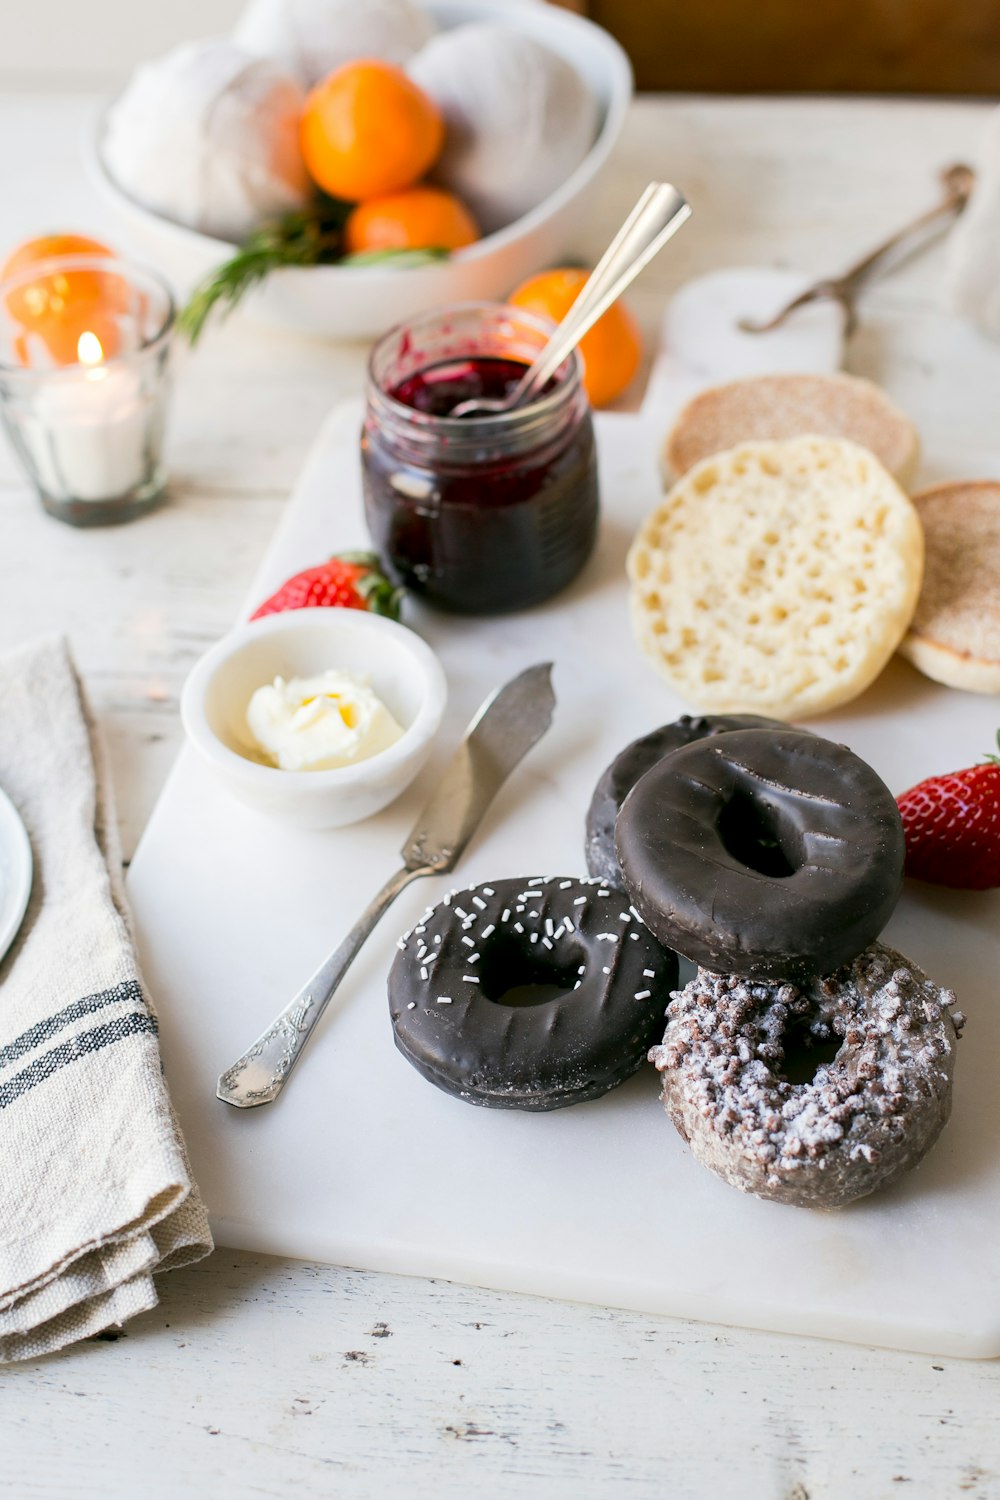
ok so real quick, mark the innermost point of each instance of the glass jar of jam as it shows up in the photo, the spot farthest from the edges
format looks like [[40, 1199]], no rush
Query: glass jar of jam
[[477, 514]]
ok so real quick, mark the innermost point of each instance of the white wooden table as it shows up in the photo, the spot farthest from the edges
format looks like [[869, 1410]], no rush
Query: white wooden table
[[270, 1378]]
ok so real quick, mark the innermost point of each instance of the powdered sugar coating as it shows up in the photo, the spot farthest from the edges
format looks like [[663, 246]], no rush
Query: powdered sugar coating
[[866, 1117]]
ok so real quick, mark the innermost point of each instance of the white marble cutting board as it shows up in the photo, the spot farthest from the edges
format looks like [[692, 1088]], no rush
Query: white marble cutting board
[[363, 1163]]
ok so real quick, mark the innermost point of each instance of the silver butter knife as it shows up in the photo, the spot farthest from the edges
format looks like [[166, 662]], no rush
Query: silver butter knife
[[507, 725]]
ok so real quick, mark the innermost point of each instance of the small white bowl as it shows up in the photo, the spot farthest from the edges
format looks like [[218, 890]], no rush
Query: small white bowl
[[351, 302], [403, 672]]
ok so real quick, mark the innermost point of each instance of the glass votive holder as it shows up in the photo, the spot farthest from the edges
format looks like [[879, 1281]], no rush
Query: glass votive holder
[[85, 383]]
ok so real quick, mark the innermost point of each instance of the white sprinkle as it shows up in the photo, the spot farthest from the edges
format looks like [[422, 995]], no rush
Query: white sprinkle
[[401, 944], [447, 900], [634, 936], [519, 908], [580, 901], [534, 937], [469, 979], [564, 885], [444, 999], [438, 938], [506, 914], [531, 895], [460, 913], [582, 969], [488, 890], [624, 916], [423, 972], [487, 930], [537, 880], [643, 994], [468, 942], [569, 924], [546, 943], [473, 958], [605, 971], [604, 893], [420, 929], [412, 1005], [607, 937], [649, 973], [518, 927], [481, 904], [469, 922], [578, 984], [548, 926]]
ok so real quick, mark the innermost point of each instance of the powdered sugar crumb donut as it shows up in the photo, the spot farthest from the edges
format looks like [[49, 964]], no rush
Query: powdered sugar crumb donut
[[866, 1116]]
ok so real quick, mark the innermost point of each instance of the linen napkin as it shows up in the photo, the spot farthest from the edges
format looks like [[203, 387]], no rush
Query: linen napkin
[[972, 275], [95, 1186]]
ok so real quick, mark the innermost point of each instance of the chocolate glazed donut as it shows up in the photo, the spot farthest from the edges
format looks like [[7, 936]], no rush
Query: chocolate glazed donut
[[763, 852], [464, 993], [632, 763]]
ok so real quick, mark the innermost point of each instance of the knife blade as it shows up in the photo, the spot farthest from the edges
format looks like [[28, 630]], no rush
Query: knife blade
[[505, 728]]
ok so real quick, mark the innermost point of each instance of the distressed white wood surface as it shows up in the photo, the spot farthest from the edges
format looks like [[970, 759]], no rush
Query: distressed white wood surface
[[267, 1377]]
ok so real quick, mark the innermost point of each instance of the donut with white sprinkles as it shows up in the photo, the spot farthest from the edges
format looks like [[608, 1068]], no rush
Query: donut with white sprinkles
[[530, 993]]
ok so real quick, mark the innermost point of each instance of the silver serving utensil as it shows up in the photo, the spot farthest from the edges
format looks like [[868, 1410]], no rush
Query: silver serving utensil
[[659, 213], [507, 725], [958, 182]]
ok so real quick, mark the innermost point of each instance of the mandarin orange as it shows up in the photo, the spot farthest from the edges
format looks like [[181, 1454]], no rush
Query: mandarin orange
[[611, 351], [368, 130], [419, 218], [58, 306]]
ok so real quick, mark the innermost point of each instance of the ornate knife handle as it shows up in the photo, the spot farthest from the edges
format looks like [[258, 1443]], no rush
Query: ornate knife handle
[[259, 1075]]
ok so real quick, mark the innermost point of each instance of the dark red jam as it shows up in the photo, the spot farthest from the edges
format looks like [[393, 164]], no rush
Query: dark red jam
[[479, 516], [439, 389]]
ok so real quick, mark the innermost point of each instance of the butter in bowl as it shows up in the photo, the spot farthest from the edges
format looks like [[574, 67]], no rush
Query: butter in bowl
[[320, 717]]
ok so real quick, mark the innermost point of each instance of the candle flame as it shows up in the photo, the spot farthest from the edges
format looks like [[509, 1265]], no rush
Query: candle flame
[[88, 349]]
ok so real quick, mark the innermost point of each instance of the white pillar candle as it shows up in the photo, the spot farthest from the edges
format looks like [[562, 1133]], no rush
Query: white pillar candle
[[88, 429]]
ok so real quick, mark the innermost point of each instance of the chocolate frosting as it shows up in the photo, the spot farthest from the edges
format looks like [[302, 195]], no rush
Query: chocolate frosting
[[449, 978], [763, 852], [633, 762]]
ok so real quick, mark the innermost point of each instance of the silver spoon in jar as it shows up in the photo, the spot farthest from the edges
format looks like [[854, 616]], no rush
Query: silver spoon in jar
[[656, 217]]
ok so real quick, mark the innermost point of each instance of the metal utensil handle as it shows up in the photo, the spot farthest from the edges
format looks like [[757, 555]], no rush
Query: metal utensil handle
[[659, 213], [958, 182], [259, 1075]]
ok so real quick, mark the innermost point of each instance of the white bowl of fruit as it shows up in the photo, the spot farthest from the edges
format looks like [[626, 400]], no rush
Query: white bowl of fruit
[[338, 193]]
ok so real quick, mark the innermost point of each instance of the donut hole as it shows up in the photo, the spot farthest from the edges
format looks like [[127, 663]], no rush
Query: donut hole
[[522, 980], [808, 1044], [524, 995], [750, 830]]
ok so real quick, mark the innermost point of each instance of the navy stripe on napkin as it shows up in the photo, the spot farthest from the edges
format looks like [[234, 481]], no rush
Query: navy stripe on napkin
[[133, 1023], [78, 1046], [52, 1025]]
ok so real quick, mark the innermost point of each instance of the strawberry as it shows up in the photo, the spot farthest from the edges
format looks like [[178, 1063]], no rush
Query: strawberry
[[349, 580], [952, 826]]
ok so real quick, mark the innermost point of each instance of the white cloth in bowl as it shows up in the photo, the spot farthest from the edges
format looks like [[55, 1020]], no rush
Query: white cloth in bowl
[[95, 1187]]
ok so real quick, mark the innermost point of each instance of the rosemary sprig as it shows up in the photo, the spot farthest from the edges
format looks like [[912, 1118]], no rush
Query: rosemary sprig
[[304, 237]]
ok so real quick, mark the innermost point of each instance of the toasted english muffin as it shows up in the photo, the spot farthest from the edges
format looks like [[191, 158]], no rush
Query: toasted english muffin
[[777, 577], [955, 633], [778, 407]]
